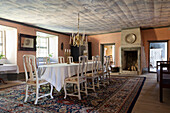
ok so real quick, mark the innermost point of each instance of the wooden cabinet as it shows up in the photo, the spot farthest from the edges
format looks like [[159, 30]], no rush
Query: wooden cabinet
[[78, 51]]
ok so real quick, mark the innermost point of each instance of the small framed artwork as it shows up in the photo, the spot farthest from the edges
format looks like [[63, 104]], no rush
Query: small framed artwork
[[27, 42]]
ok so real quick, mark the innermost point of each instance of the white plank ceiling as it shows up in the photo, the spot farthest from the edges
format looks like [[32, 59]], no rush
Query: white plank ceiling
[[96, 16]]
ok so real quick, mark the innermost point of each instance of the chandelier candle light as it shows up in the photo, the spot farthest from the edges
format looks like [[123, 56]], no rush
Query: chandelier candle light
[[78, 40]]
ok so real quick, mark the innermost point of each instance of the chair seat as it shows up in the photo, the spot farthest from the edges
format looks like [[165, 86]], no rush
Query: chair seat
[[101, 72], [74, 79], [34, 81], [90, 75]]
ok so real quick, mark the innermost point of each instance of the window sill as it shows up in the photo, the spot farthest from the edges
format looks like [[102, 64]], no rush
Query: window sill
[[3, 58]]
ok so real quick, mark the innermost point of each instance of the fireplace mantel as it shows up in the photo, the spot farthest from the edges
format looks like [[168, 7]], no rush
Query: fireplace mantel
[[130, 42]]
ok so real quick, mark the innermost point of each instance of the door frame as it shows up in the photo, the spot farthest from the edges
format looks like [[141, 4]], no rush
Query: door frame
[[155, 41], [102, 50]]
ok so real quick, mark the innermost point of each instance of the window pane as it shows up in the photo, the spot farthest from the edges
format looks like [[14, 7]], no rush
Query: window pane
[[1, 43], [1, 52], [42, 46]]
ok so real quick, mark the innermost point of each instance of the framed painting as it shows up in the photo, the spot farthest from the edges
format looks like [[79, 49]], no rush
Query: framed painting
[[27, 42]]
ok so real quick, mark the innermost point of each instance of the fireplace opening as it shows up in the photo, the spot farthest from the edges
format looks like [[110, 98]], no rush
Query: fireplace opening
[[130, 61]]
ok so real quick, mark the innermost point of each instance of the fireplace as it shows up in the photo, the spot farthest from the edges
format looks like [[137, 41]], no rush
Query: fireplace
[[130, 50], [130, 60]]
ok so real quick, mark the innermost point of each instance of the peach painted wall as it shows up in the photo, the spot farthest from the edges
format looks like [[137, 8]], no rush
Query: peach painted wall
[[152, 35], [104, 39], [147, 35], [32, 31]]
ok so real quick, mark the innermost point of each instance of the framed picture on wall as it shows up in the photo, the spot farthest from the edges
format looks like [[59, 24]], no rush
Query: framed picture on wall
[[27, 42]]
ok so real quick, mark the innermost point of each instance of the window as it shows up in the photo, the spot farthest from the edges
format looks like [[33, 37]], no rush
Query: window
[[47, 44], [2, 42], [158, 51], [42, 46], [8, 44]]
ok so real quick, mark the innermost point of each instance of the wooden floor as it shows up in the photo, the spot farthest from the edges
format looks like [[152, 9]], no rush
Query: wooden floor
[[10, 84], [148, 101]]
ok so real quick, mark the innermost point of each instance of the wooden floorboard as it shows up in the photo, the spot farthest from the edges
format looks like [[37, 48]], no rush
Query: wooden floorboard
[[10, 84], [148, 101]]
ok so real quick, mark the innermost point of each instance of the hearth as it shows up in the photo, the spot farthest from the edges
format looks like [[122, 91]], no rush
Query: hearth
[[129, 61]]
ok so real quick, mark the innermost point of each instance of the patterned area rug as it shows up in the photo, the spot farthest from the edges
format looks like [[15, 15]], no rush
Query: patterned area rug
[[118, 97]]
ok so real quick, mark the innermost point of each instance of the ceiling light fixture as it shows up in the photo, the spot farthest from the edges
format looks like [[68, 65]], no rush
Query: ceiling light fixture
[[77, 39]]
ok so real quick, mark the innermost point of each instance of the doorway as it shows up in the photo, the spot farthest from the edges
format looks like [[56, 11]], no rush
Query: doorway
[[158, 51], [108, 50]]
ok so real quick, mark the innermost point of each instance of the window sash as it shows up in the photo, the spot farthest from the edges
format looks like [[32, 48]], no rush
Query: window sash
[[3, 43], [42, 46]]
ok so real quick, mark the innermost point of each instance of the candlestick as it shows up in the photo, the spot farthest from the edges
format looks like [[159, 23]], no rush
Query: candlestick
[[67, 53]]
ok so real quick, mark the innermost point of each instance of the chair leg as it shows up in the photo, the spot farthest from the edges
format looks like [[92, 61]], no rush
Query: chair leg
[[81, 86], [65, 91], [86, 88], [108, 78], [161, 94], [93, 84], [51, 92], [26, 94], [74, 88], [157, 77], [37, 93], [100, 78], [3, 81], [78, 86], [98, 82]]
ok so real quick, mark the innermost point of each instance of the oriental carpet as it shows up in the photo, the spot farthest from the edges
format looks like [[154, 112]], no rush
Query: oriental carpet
[[117, 97]]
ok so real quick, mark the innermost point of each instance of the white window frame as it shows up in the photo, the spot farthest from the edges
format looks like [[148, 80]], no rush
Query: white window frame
[[38, 47], [3, 38]]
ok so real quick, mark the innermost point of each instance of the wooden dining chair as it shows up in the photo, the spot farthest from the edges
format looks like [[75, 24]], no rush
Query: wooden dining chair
[[164, 78], [103, 72], [98, 63], [70, 59], [33, 79], [79, 79], [108, 69], [91, 77], [61, 59]]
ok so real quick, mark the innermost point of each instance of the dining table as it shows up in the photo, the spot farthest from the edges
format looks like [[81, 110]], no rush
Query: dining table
[[56, 73]]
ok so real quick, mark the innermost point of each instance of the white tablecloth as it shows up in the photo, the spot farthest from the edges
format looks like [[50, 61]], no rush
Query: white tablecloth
[[56, 73], [9, 68]]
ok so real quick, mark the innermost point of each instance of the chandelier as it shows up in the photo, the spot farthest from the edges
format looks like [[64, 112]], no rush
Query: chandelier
[[77, 39]]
